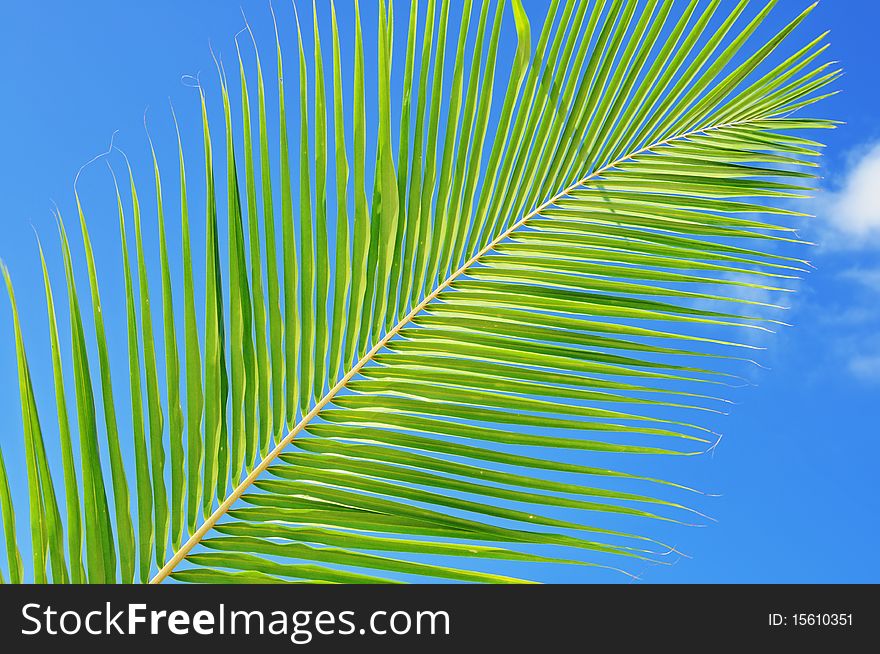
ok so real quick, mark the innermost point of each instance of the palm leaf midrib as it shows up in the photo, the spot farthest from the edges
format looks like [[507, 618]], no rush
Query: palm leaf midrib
[[239, 490]]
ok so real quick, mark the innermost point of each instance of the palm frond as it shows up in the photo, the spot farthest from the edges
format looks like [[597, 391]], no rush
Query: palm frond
[[559, 263]]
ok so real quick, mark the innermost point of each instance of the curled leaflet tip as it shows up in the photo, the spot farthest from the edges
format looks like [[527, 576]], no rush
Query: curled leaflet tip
[[218, 62], [237, 34], [37, 236], [274, 20], [124, 156], [673, 549], [711, 450], [699, 513], [93, 160], [192, 81], [247, 26], [113, 175]]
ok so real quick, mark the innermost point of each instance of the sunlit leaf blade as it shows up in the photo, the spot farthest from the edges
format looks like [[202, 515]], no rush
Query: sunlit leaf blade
[[259, 570], [413, 220], [397, 298], [7, 510], [422, 237], [455, 139], [172, 373], [143, 477], [192, 356], [244, 425], [261, 427], [100, 551], [216, 460], [271, 388], [322, 254], [121, 502], [468, 171], [156, 419], [71, 485], [292, 326], [385, 206], [342, 272], [516, 80], [338, 556], [358, 323], [307, 261], [210, 576], [45, 518]]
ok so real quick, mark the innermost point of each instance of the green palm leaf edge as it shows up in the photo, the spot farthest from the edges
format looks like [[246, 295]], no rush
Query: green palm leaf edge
[[551, 272]]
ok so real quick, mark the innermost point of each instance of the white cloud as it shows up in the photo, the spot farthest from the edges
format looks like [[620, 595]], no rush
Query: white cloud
[[858, 354], [845, 312], [866, 367], [867, 277], [850, 317], [853, 211]]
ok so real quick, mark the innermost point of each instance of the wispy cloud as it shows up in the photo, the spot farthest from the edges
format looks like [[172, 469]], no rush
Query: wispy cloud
[[865, 367], [857, 353], [851, 213], [864, 276]]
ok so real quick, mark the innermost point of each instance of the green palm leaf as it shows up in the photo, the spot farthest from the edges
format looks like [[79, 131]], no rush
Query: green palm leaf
[[559, 263]]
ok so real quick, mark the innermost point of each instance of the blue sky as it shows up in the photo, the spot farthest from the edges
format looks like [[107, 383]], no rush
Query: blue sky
[[796, 471]]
